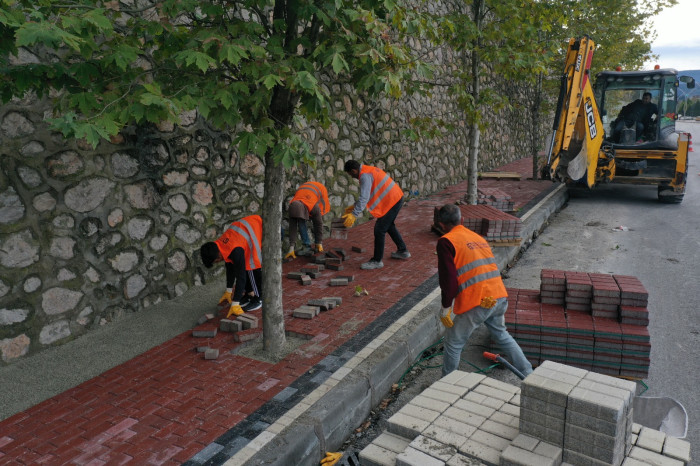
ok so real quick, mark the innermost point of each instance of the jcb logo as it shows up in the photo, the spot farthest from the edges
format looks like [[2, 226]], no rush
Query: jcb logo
[[592, 129]]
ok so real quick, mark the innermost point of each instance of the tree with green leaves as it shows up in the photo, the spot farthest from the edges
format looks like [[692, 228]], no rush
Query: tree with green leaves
[[249, 67]]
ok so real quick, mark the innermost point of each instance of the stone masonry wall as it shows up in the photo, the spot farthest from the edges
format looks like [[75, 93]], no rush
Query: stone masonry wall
[[89, 235]]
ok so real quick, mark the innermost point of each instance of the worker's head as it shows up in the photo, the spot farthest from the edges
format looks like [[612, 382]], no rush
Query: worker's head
[[210, 254], [646, 97], [449, 216], [352, 168]]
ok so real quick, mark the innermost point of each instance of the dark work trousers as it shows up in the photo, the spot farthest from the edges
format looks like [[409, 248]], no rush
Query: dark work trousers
[[300, 224], [386, 225]]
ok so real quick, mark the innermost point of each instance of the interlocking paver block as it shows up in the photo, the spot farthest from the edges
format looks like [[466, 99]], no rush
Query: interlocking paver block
[[483, 453], [514, 456], [419, 412], [474, 408], [338, 300], [462, 460], [549, 451], [465, 416], [511, 409], [452, 425], [374, 455], [503, 386], [430, 403], [654, 458], [555, 437], [594, 424], [413, 457], [338, 282], [499, 429], [202, 349], [494, 403], [447, 436], [440, 395], [546, 389], [445, 387], [211, 353], [248, 321], [406, 426], [542, 419], [677, 449], [505, 419], [490, 439], [304, 313], [651, 439], [391, 442], [609, 390], [607, 408], [526, 442], [211, 333], [493, 392], [434, 448]]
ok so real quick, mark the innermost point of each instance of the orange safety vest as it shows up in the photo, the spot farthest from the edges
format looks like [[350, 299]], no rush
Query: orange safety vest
[[477, 272], [247, 234], [385, 192], [312, 193]]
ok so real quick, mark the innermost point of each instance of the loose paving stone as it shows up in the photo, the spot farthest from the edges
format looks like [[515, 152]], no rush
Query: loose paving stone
[[204, 333], [211, 353]]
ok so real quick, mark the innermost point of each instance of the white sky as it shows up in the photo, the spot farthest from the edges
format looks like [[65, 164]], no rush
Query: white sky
[[678, 37]]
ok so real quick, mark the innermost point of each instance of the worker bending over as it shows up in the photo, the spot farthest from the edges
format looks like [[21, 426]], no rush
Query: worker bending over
[[310, 200], [472, 292], [239, 248], [383, 198]]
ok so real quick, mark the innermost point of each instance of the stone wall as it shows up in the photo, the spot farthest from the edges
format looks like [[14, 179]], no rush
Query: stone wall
[[89, 235]]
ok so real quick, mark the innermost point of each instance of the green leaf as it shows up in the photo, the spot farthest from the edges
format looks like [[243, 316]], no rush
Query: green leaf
[[271, 80]]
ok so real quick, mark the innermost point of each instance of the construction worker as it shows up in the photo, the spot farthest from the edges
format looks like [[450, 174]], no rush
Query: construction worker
[[310, 200], [472, 292], [239, 248], [383, 198]]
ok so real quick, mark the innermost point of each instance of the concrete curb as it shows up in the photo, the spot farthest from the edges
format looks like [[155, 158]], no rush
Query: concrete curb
[[326, 417]]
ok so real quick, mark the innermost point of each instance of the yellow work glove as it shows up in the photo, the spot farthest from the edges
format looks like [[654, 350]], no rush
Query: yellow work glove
[[290, 254], [331, 458], [226, 298], [445, 318], [319, 247], [349, 209], [235, 309], [349, 220]]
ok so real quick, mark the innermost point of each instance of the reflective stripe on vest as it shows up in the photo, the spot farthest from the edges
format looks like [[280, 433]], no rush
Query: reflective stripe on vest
[[384, 193], [309, 186], [477, 278], [379, 188], [249, 235]]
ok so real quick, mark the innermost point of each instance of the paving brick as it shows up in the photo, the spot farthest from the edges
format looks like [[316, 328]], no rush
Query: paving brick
[[440, 395], [374, 455], [413, 457], [475, 408], [391, 442], [596, 404], [335, 267], [581, 460], [445, 387], [321, 304], [505, 419], [419, 412], [464, 416], [434, 448], [247, 335], [514, 456], [338, 281], [304, 313], [211, 333], [555, 437], [305, 280], [357, 249], [462, 460], [651, 439], [447, 436], [481, 452], [295, 275], [202, 349], [211, 353], [248, 321], [549, 451], [494, 392], [338, 300], [406, 426], [226, 325], [499, 429], [430, 403], [453, 425], [488, 438], [677, 449], [349, 278], [525, 442], [653, 458]]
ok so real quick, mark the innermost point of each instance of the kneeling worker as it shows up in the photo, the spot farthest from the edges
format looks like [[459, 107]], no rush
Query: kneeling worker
[[310, 200], [472, 292], [239, 247]]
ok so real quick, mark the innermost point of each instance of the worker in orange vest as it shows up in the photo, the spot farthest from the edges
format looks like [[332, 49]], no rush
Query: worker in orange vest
[[472, 292], [240, 248], [310, 200], [383, 198]]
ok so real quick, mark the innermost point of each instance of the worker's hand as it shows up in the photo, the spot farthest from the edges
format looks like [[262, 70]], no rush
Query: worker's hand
[[226, 298], [290, 254], [349, 220], [331, 458], [446, 317], [235, 310], [349, 209]]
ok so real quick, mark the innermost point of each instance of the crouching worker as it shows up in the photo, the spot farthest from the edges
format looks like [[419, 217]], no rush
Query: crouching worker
[[239, 247], [310, 201], [472, 292]]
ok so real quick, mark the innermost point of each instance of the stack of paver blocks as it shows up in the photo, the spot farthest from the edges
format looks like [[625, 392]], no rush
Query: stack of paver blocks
[[563, 415], [577, 318], [489, 222], [315, 306], [495, 198]]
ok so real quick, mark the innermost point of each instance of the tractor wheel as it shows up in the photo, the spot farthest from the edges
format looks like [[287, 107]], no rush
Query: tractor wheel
[[669, 196]]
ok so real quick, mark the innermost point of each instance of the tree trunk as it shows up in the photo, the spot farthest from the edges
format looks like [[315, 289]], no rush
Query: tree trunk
[[475, 132], [535, 125]]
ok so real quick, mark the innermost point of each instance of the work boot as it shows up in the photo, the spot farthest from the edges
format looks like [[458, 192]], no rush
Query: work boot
[[400, 255], [371, 265]]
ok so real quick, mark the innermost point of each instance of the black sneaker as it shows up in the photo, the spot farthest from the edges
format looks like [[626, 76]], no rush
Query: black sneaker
[[244, 300], [254, 304]]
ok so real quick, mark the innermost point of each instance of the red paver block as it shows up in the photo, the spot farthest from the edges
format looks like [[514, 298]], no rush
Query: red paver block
[[247, 335], [248, 321], [631, 288]]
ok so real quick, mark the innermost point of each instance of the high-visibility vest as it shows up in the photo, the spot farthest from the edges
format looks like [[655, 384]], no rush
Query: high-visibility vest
[[312, 193], [247, 234], [385, 192], [478, 275]]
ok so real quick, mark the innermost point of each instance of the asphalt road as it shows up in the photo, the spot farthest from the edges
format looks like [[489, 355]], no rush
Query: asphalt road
[[661, 248]]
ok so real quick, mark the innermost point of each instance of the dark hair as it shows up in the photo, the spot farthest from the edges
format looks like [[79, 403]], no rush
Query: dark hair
[[209, 252], [351, 165], [449, 214], [646, 94]]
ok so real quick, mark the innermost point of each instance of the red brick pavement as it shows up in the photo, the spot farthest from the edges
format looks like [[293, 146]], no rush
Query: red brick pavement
[[169, 403]]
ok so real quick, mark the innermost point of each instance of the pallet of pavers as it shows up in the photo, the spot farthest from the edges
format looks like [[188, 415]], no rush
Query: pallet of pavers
[[560, 415], [495, 198], [588, 320], [498, 228]]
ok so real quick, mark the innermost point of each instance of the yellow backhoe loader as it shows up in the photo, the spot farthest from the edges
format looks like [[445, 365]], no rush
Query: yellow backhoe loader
[[621, 130]]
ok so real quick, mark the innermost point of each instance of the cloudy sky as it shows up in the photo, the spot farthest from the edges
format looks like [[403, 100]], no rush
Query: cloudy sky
[[678, 37]]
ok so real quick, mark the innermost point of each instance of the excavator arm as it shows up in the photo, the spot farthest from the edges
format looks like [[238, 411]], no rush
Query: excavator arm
[[577, 134]]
